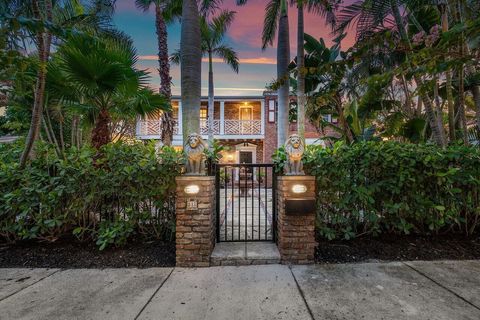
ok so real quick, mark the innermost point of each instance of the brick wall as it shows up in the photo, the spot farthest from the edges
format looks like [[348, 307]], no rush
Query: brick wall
[[270, 141], [296, 233], [195, 230], [232, 110]]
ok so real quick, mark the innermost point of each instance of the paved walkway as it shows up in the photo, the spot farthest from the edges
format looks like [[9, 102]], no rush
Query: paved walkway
[[414, 290], [246, 216]]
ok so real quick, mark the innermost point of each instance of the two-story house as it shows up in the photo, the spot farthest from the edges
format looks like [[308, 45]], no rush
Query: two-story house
[[246, 124]]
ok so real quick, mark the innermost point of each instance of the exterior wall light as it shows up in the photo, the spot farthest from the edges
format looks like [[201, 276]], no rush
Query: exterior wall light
[[299, 188], [192, 189]]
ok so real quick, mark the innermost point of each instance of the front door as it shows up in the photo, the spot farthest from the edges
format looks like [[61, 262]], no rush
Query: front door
[[246, 157]]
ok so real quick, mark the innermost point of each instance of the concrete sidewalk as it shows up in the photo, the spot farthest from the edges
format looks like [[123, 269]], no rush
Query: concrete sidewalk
[[413, 290]]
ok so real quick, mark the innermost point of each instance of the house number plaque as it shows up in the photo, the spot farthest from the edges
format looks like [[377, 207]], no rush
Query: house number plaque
[[192, 204]]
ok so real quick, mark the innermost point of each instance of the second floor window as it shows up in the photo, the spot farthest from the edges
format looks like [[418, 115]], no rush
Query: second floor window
[[203, 114]]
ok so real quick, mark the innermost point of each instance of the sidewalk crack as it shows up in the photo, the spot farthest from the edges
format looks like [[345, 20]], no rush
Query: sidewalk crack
[[442, 286], [302, 294], [153, 295], [19, 290]]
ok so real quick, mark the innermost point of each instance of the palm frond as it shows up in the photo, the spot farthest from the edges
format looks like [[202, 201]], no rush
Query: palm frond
[[220, 24], [228, 55], [175, 57], [270, 24]]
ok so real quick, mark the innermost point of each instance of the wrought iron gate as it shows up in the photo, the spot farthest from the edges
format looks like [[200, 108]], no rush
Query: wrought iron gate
[[245, 202]]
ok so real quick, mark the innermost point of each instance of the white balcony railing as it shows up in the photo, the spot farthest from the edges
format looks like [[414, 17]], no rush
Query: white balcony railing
[[240, 127], [204, 127], [152, 127]]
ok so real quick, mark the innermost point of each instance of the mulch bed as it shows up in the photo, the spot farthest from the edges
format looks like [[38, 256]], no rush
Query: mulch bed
[[398, 248], [68, 253]]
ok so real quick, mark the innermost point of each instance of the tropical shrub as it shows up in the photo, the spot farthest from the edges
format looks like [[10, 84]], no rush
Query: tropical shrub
[[388, 187], [122, 191]]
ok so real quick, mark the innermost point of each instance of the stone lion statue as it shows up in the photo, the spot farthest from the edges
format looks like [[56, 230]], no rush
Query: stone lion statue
[[294, 148], [194, 148]]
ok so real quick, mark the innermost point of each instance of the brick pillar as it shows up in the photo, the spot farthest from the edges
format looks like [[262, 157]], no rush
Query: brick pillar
[[195, 228], [296, 227]]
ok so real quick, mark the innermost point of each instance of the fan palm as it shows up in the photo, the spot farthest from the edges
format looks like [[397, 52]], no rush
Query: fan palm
[[165, 12], [102, 71], [38, 22]]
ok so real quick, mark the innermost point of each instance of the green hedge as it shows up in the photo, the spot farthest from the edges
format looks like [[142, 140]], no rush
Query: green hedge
[[125, 190], [388, 187]]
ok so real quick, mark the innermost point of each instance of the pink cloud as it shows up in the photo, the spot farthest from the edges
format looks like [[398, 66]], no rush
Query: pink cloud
[[248, 25]]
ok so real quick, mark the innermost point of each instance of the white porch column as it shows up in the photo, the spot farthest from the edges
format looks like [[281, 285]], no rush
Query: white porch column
[[222, 117], [180, 119], [138, 128], [262, 103]]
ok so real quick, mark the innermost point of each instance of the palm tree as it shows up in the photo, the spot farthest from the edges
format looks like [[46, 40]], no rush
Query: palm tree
[[277, 15], [43, 42], [326, 9], [44, 23], [213, 33], [165, 12], [102, 71], [190, 67]]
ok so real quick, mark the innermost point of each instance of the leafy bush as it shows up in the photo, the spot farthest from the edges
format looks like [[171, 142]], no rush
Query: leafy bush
[[389, 187], [123, 190]]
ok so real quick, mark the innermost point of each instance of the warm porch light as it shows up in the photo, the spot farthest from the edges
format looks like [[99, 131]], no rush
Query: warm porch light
[[299, 188], [192, 189]]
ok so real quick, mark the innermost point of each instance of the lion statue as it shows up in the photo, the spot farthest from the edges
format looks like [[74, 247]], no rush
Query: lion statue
[[294, 148], [194, 148]]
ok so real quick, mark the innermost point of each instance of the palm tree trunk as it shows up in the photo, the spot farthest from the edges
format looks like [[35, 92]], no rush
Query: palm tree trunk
[[341, 118], [408, 97], [283, 59], [301, 99], [73, 133], [461, 104], [211, 101], [191, 68], [44, 39], [450, 105], [101, 131], [476, 99], [448, 80], [164, 72]]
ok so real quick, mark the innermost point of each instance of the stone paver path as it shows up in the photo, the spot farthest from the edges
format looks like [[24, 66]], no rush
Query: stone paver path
[[412, 290], [247, 215]]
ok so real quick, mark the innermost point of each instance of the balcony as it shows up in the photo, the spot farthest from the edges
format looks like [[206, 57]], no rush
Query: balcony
[[152, 127], [233, 119]]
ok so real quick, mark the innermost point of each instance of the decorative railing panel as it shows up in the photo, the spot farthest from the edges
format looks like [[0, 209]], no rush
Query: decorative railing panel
[[153, 127], [239, 127], [204, 127]]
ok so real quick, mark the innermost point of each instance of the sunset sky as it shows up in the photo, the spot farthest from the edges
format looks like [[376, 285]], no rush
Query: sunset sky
[[257, 67]]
